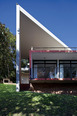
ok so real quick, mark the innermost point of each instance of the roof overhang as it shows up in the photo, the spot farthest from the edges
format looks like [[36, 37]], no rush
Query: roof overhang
[[33, 33]]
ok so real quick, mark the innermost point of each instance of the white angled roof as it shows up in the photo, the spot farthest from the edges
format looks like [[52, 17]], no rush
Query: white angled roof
[[33, 33]]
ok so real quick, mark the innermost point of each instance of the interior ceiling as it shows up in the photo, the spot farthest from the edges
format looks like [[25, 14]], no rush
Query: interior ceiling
[[54, 56], [32, 35]]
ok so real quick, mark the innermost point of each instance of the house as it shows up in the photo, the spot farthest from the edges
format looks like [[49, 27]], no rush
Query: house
[[50, 60]]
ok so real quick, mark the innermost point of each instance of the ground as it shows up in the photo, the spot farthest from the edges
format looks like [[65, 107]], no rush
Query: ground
[[35, 104]]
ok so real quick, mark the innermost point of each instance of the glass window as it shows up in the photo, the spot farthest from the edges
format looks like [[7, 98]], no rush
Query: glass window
[[44, 70], [37, 61], [68, 69], [65, 71], [65, 65], [73, 65], [74, 70], [40, 65], [64, 61], [74, 61], [53, 72]]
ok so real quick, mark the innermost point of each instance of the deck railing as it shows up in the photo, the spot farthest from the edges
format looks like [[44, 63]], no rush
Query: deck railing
[[54, 48]]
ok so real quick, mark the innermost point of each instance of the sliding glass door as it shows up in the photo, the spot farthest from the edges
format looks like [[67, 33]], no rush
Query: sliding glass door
[[44, 68], [68, 68]]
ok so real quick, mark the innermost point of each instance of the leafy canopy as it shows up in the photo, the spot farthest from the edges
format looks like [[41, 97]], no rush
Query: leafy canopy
[[7, 53]]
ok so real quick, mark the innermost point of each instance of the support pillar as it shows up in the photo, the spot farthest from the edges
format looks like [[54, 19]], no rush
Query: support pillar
[[17, 48]]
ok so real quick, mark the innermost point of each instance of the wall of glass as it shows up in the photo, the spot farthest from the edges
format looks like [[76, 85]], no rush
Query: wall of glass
[[48, 69], [44, 69], [68, 69]]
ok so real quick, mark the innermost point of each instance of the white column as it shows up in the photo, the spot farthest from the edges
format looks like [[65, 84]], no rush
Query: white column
[[57, 68], [17, 48]]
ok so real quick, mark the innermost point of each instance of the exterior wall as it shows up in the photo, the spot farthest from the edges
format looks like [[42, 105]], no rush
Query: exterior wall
[[24, 84], [58, 67], [25, 78], [40, 81]]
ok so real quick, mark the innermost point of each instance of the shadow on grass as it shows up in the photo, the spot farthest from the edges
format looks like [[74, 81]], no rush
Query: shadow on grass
[[35, 104]]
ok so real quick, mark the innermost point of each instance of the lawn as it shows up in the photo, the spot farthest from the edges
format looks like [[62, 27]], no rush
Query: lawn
[[35, 104]]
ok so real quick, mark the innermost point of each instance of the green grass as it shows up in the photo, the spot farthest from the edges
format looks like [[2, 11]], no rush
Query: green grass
[[35, 104]]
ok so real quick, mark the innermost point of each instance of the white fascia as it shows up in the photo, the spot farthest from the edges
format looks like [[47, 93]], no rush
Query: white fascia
[[41, 26]]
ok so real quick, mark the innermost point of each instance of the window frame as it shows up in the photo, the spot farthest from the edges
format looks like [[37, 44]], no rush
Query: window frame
[[70, 62], [38, 62]]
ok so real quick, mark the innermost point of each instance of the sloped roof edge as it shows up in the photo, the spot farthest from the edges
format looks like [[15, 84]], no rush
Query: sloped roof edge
[[40, 25]]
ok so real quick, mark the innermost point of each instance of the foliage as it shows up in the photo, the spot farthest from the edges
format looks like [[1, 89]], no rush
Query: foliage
[[35, 104], [7, 53], [24, 63]]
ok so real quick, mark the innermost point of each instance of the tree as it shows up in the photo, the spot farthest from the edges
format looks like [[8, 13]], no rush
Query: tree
[[7, 53], [24, 63]]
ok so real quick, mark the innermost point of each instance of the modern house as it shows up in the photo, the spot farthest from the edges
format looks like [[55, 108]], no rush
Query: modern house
[[50, 60]]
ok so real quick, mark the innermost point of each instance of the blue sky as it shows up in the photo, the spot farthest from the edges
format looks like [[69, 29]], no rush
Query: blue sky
[[59, 16]]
